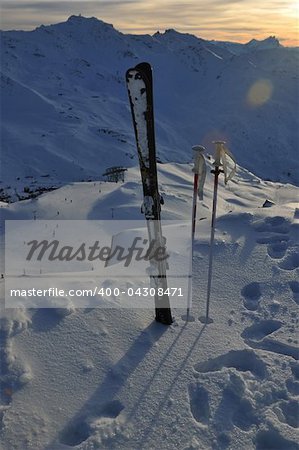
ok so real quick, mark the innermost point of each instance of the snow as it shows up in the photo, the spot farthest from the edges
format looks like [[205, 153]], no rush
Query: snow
[[91, 378], [269, 43], [116, 379], [79, 117]]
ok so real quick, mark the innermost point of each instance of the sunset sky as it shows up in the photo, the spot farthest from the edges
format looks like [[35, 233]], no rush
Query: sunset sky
[[234, 20]]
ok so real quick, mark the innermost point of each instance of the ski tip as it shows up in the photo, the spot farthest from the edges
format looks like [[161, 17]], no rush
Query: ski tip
[[145, 69], [144, 66]]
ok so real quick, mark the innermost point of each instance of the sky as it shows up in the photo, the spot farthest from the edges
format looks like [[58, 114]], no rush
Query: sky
[[233, 20]]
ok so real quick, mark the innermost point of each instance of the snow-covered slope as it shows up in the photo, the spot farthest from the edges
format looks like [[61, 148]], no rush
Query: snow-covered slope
[[114, 379], [269, 43], [65, 114]]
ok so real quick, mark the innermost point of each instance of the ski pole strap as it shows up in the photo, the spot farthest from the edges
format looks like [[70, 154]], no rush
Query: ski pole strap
[[199, 168], [221, 156]]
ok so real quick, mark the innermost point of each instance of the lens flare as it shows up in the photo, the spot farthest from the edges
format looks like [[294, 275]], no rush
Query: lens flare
[[259, 93]]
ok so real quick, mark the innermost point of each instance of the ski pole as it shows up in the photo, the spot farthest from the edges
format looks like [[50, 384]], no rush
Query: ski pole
[[199, 169], [220, 160], [216, 172]]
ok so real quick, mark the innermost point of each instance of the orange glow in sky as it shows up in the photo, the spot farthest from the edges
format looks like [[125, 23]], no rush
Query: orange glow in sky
[[230, 20]]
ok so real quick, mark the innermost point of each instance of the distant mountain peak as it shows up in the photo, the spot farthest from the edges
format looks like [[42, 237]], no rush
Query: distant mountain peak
[[170, 32], [173, 36], [75, 18], [81, 20], [269, 42]]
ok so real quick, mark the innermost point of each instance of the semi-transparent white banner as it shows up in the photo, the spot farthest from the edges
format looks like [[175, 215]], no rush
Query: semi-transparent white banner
[[104, 264]]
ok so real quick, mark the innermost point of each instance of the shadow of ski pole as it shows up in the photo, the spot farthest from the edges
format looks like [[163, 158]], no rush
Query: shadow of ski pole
[[156, 414]]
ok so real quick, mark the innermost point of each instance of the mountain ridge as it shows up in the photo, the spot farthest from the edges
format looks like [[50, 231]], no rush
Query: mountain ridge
[[202, 92]]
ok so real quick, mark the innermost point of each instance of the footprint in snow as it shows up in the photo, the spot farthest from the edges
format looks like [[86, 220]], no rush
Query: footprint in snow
[[234, 408], [291, 261], [294, 285], [85, 425], [295, 370], [257, 337], [272, 440], [6, 389], [288, 412], [275, 231], [275, 224], [252, 295], [13, 373], [270, 345], [277, 250], [273, 239], [259, 330], [199, 403], [241, 360], [292, 383]]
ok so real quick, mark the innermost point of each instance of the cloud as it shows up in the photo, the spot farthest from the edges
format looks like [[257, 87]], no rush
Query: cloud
[[63, 5]]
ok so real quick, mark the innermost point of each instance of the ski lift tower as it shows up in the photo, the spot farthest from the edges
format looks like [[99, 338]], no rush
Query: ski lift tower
[[115, 174]]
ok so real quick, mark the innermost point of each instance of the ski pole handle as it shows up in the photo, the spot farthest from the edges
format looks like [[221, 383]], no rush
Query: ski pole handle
[[218, 153], [221, 154], [198, 150], [199, 169]]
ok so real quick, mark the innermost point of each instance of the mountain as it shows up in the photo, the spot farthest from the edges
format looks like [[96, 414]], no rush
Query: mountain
[[269, 43], [66, 115]]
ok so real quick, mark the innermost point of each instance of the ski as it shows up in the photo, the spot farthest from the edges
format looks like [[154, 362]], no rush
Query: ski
[[140, 90]]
